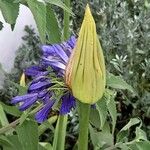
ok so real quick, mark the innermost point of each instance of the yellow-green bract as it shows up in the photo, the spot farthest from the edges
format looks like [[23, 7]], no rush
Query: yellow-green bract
[[22, 80], [85, 71]]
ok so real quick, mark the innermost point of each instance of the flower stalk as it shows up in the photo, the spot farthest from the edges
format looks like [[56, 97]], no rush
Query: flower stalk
[[60, 131], [84, 112]]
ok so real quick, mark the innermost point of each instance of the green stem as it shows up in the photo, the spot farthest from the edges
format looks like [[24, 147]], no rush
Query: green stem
[[9, 126], [60, 133], [14, 123], [43, 127], [66, 32], [60, 130], [84, 112]]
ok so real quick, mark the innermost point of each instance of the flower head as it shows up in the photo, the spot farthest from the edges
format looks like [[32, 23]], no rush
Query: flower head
[[82, 65], [85, 72], [47, 86]]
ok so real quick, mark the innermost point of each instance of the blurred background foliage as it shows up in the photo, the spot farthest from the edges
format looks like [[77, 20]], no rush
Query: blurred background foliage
[[28, 54], [124, 30]]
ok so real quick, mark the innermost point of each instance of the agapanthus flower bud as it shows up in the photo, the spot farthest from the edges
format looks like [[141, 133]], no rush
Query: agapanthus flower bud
[[85, 72], [22, 80]]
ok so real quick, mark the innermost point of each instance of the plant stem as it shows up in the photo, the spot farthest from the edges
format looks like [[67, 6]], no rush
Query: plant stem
[[60, 130], [66, 32], [14, 123], [43, 127], [9, 126], [60, 133], [84, 112]]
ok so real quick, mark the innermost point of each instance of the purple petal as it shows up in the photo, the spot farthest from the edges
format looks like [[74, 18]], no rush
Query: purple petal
[[72, 41], [42, 115], [54, 50], [39, 79], [53, 62], [44, 73], [42, 94], [33, 71], [60, 52], [68, 102], [18, 99], [28, 103], [67, 48], [69, 45], [48, 50], [39, 85], [47, 97]]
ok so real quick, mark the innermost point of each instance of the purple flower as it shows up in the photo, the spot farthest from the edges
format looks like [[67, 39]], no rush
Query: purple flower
[[43, 87], [43, 113], [68, 102], [34, 71]]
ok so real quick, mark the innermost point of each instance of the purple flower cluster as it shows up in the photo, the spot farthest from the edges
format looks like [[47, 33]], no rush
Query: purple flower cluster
[[56, 57]]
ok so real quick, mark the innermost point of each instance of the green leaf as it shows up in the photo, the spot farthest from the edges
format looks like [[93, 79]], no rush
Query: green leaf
[[133, 147], [24, 116], [45, 146], [12, 26], [95, 118], [9, 10], [1, 25], [5, 141], [102, 108], [60, 132], [15, 144], [99, 139], [60, 4], [111, 105], [52, 27], [140, 134], [122, 136], [144, 145], [12, 110], [20, 1], [28, 135], [132, 122], [3, 118], [46, 125], [122, 146], [66, 22], [38, 10], [117, 82]]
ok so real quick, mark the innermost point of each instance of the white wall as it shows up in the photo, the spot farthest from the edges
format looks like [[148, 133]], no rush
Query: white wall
[[11, 40]]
